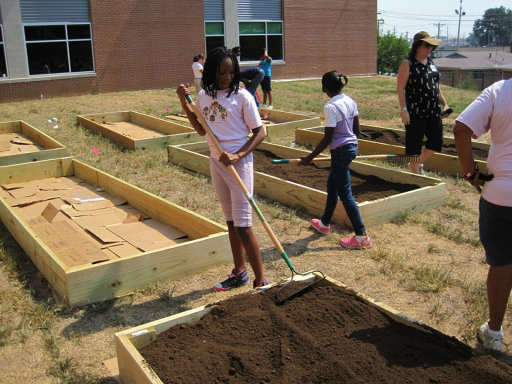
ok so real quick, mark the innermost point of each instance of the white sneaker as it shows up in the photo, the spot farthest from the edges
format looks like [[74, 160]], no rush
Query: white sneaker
[[270, 107], [490, 340], [421, 171], [263, 105]]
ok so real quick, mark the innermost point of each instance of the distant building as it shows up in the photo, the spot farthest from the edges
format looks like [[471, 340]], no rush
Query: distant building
[[479, 66], [71, 47]]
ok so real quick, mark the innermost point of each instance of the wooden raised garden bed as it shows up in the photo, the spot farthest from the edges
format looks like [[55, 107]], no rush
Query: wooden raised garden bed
[[445, 162], [22, 143], [95, 237], [280, 123], [330, 334], [427, 192], [137, 131]]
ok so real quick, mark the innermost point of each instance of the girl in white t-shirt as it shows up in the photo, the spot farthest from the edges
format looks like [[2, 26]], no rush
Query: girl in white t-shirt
[[232, 115], [197, 68]]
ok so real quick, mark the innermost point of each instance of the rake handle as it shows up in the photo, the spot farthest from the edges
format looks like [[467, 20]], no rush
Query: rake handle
[[320, 159], [241, 184]]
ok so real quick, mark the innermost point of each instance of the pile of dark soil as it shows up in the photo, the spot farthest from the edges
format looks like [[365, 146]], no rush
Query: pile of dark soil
[[328, 335], [364, 187]]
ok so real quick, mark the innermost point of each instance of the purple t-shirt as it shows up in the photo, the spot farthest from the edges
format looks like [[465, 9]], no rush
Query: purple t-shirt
[[339, 113]]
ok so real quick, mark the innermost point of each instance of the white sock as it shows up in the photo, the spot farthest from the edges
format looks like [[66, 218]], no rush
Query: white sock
[[495, 334], [322, 224], [360, 238]]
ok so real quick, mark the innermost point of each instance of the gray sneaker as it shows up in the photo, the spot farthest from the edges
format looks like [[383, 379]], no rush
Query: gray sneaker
[[489, 342]]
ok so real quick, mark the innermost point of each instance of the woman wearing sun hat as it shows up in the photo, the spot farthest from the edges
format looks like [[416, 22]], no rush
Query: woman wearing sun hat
[[421, 100]]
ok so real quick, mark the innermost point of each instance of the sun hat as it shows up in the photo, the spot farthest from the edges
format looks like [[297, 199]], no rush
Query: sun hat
[[424, 36]]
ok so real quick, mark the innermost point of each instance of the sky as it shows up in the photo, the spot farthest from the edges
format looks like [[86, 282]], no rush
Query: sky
[[403, 17]]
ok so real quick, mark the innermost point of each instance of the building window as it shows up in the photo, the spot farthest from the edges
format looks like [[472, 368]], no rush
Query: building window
[[214, 34], [60, 48], [255, 35], [3, 63], [478, 75]]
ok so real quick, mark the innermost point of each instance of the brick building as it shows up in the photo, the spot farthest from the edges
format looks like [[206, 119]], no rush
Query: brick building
[[71, 47]]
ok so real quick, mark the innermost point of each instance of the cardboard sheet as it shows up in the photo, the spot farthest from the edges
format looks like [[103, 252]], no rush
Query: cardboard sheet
[[70, 244], [142, 236]]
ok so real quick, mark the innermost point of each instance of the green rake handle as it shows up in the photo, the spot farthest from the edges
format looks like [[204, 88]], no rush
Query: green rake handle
[[241, 184]]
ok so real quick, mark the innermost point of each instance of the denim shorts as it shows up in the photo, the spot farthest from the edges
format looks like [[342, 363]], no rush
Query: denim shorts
[[495, 223]]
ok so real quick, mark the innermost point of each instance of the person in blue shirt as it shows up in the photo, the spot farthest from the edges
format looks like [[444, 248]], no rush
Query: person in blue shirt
[[266, 65]]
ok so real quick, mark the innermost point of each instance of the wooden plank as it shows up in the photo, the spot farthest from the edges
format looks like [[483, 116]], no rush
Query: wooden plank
[[285, 123], [43, 257], [10, 127], [164, 126], [39, 137]]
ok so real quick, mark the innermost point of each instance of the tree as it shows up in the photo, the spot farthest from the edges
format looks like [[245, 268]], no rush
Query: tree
[[495, 27], [391, 51]]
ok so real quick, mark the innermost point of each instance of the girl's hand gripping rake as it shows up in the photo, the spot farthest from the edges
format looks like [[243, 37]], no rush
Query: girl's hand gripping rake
[[277, 244]]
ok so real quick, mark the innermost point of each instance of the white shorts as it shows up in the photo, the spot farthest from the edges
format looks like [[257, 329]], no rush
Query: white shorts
[[234, 203]]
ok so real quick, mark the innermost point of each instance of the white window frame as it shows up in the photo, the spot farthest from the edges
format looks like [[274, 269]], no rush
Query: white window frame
[[223, 34], [2, 47], [266, 34], [65, 40]]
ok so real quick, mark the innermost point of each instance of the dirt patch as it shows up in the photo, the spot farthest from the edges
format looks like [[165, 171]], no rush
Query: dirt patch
[[326, 335], [364, 187], [390, 137]]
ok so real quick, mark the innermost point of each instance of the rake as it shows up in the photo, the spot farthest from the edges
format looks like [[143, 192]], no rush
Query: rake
[[415, 159], [279, 300]]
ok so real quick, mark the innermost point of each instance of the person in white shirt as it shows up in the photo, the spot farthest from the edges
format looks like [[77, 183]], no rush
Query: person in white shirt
[[491, 111]]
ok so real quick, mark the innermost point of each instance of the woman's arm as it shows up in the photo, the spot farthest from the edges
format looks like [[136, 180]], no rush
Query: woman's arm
[[401, 82]]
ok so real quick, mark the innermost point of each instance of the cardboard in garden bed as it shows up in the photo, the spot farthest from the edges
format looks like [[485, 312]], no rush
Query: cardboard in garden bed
[[95, 237], [22, 143], [137, 131], [427, 192], [330, 334], [392, 141]]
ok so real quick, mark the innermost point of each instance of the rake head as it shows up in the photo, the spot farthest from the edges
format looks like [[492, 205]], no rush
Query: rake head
[[279, 299]]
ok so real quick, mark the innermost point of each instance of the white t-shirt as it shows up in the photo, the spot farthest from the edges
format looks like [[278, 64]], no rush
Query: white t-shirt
[[231, 119], [339, 113], [197, 68], [492, 111]]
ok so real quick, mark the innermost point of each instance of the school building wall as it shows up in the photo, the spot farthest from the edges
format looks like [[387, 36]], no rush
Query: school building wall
[[325, 35], [150, 45]]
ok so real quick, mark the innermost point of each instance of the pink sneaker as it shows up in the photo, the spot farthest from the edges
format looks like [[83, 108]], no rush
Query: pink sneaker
[[352, 243], [317, 224]]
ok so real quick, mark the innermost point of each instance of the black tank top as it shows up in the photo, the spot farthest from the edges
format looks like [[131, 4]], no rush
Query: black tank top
[[422, 90]]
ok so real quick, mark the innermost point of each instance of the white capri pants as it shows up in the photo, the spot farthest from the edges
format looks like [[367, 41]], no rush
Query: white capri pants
[[234, 203]]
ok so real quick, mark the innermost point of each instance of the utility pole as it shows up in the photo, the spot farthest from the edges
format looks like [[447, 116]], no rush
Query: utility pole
[[460, 13], [439, 25]]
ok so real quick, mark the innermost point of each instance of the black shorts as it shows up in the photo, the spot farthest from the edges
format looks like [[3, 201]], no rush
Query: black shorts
[[266, 84], [414, 132], [495, 225]]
